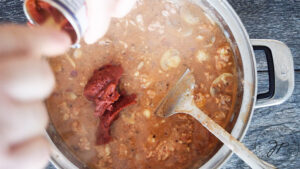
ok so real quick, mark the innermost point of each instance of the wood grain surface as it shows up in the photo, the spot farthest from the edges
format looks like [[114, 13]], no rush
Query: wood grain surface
[[274, 132], [271, 19]]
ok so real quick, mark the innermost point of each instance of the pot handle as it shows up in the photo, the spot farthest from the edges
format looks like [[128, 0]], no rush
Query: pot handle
[[280, 70]]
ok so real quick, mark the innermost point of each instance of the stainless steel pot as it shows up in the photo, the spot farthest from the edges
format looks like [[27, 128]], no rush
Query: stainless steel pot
[[281, 71]]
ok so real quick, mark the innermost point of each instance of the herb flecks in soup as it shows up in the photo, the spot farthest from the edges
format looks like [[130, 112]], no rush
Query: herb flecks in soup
[[154, 44]]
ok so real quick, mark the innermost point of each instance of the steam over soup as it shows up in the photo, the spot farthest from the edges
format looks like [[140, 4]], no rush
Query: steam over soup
[[154, 44]]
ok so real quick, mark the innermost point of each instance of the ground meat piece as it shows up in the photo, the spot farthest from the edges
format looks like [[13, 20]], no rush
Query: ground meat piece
[[102, 90]]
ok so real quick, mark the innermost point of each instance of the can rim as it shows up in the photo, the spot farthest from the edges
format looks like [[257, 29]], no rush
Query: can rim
[[64, 10]]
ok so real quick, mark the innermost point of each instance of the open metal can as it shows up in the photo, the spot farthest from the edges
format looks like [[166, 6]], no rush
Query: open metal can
[[67, 15]]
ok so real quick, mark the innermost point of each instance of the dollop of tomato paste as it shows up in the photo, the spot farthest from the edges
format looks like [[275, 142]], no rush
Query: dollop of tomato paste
[[102, 89]]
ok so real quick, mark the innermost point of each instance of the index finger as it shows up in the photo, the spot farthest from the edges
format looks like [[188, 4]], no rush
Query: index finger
[[99, 16], [123, 7], [17, 40]]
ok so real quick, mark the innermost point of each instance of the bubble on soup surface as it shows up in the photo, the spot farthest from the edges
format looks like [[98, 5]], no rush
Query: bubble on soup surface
[[147, 113], [145, 81], [74, 114], [84, 144], [66, 116], [107, 150], [199, 37], [77, 53], [201, 56], [156, 26], [188, 17], [105, 42], [210, 42], [151, 94], [72, 96], [186, 32], [76, 127], [139, 19], [140, 65], [224, 53], [223, 80], [64, 109], [170, 59], [165, 13]]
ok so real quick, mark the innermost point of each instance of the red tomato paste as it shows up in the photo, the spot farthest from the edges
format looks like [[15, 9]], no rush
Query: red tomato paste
[[102, 89]]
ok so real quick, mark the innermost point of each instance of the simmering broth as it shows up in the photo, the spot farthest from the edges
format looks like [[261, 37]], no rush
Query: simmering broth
[[154, 44]]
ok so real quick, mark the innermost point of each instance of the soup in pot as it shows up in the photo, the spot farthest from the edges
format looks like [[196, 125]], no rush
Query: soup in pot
[[153, 45]]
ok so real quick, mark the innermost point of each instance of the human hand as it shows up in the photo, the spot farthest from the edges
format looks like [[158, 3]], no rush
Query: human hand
[[25, 81], [100, 13]]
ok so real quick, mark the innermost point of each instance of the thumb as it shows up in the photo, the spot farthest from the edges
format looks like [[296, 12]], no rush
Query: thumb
[[99, 16], [123, 7], [26, 79]]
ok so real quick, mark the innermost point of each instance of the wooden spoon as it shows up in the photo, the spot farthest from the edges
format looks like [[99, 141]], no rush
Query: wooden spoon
[[180, 100]]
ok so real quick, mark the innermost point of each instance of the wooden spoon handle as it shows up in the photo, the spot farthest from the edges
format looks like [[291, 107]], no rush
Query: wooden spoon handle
[[237, 147]]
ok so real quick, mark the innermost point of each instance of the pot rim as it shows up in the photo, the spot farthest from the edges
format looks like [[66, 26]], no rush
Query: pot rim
[[242, 43], [249, 81]]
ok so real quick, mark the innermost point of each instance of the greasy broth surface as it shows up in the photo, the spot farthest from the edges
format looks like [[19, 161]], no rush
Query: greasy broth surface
[[154, 44]]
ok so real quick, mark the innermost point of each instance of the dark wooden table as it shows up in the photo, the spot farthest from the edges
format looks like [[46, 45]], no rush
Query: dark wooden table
[[274, 132]]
